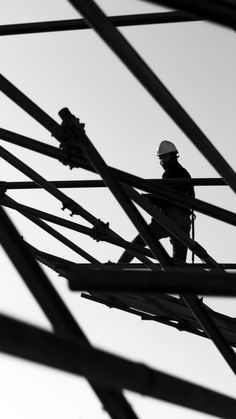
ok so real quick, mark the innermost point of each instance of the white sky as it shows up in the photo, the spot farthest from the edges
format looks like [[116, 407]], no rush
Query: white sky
[[77, 70]]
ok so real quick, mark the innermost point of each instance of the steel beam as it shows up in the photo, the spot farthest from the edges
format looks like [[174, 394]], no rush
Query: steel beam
[[78, 24], [179, 282], [67, 203], [34, 344], [171, 226], [211, 329], [138, 251], [121, 47], [62, 239], [54, 308], [143, 184], [100, 183], [78, 136], [30, 107], [219, 11], [99, 164], [32, 144], [198, 267]]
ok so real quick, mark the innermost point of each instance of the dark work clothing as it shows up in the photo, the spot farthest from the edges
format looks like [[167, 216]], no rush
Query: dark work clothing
[[173, 170], [180, 215]]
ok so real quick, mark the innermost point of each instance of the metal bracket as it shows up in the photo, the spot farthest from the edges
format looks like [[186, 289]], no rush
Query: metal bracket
[[99, 231], [72, 128]]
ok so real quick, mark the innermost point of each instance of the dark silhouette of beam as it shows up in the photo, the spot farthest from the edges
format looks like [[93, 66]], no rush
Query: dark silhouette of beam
[[219, 11], [54, 308], [179, 282], [127, 54], [78, 24], [70, 355], [100, 183], [158, 188]]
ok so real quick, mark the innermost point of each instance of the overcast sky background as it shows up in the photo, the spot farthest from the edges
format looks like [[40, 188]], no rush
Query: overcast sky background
[[76, 69]]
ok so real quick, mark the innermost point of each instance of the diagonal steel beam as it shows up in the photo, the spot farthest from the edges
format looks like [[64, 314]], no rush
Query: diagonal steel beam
[[54, 308], [67, 202], [144, 184], [30, 107], [219, 11], [34, 344], [99, 164], [138, 251], [121, 47], [78, 24], [171, 226], [62, 239], [211, 329], [78, 135]]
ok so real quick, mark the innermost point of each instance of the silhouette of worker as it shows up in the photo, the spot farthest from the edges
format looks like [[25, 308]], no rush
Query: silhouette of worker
[[168, 156]]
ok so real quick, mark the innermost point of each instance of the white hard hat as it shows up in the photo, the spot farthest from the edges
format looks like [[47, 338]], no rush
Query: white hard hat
[[166, 147]]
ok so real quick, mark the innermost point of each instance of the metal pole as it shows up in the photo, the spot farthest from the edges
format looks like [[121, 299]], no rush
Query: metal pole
[[115, 40], [220, 11], [31, 343], [146, 185], [100, 183], [209, 326], [62, 239], [136, 250], [54, 308], [170, 226], [78, 24], [96, 160], [99, 164], [179, 282], [30, 107], [67, 202]]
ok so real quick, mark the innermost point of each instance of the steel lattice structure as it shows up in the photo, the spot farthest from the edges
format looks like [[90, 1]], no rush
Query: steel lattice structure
[[68, 348]]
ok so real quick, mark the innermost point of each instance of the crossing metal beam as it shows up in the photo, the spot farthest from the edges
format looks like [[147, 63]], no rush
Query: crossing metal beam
[[78, 24], [55, 310], [220, 11], [34, 344], [121, 47]]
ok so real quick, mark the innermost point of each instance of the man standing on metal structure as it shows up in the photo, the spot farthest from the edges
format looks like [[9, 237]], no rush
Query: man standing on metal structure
[[168, 156]]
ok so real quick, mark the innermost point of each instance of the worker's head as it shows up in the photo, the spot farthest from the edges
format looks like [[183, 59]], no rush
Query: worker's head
[[167, 152]]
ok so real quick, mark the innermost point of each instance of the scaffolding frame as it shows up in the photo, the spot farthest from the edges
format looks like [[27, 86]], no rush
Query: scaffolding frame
[[76, 150]]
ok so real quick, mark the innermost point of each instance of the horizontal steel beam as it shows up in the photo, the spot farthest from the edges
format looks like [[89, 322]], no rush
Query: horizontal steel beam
[[219, 11], [78, 24], [100, 183], [199, 267], [179, 282], [34, 344]]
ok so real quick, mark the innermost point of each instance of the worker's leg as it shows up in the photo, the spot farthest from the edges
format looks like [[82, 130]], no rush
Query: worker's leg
[[184, 222], [159, 232]]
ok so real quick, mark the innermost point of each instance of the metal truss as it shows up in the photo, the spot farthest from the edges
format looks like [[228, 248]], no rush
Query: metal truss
[[140, 289]]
